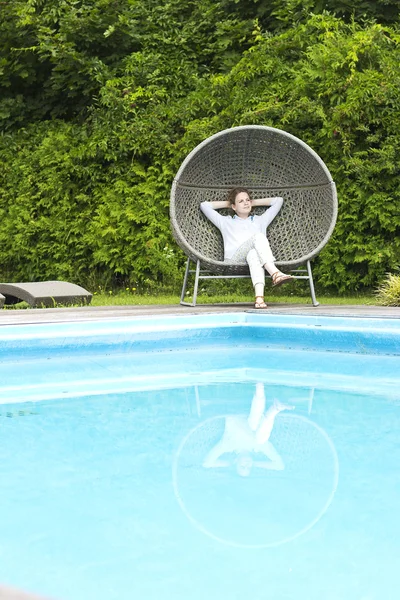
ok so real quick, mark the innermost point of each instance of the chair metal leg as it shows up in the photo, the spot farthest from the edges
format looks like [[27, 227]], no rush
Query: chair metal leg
[[310, 400], [198, 403], [185, 282], [311, 282], [196, 282]]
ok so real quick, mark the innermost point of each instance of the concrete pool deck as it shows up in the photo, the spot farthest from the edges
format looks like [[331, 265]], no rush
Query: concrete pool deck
[[91, 313]]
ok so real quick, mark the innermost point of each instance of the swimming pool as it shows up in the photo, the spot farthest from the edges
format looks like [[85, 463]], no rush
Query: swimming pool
[[109, 483]]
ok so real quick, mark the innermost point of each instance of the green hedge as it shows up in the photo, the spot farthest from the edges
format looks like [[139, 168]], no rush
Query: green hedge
[[87, 165]]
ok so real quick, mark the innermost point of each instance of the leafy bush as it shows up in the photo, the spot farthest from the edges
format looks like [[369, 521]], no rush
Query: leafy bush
[[388, 293], [101, 102], [337, 87]]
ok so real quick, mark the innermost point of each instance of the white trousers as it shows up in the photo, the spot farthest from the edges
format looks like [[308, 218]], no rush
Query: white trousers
[[256, 251]]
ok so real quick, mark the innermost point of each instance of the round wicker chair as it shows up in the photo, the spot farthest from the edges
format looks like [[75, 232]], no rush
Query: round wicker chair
[[269, 162]]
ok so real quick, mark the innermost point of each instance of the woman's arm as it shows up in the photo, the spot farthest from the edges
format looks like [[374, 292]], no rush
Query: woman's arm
[[209, 209], [212, 459], [269, 215], [216, 204], [268, 201]]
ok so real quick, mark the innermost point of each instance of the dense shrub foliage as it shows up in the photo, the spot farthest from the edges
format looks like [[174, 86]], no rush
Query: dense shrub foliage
[[101, 100], [388, 292]]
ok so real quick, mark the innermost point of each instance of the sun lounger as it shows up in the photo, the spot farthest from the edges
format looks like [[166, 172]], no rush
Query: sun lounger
[[46, 293]]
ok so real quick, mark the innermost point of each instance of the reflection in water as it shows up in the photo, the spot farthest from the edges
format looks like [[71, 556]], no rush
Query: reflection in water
[[288, 467], [98, 471], [248, 438]]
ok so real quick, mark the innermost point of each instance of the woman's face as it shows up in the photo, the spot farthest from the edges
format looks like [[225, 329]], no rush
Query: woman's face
[[242, 205]]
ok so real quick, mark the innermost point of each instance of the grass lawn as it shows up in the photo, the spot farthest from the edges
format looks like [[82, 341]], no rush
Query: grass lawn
[[228, 295], [124, 298]]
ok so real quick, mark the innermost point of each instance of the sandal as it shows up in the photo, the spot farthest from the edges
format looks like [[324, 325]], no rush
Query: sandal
[[260, 302], [279, 278]]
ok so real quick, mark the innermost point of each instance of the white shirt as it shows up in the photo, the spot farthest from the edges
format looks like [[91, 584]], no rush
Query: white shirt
[[235, 231]]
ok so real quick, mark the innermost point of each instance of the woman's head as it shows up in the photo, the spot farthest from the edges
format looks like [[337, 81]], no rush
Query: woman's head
[[232, 195], [244, 463], [240, 202]]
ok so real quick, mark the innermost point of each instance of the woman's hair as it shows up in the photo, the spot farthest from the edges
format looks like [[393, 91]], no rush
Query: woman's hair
[[233, 193]]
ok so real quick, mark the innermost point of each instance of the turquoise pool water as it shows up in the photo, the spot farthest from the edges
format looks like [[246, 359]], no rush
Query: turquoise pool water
[[106, 429]]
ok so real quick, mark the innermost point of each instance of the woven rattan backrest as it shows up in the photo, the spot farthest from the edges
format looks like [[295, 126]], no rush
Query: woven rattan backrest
[[269, 162]]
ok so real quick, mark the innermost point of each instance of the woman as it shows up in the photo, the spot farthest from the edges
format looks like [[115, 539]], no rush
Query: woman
[[246, 440], [244, 236]]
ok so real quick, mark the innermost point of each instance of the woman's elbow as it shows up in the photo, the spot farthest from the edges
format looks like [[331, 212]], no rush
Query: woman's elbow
[[277, 200]]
